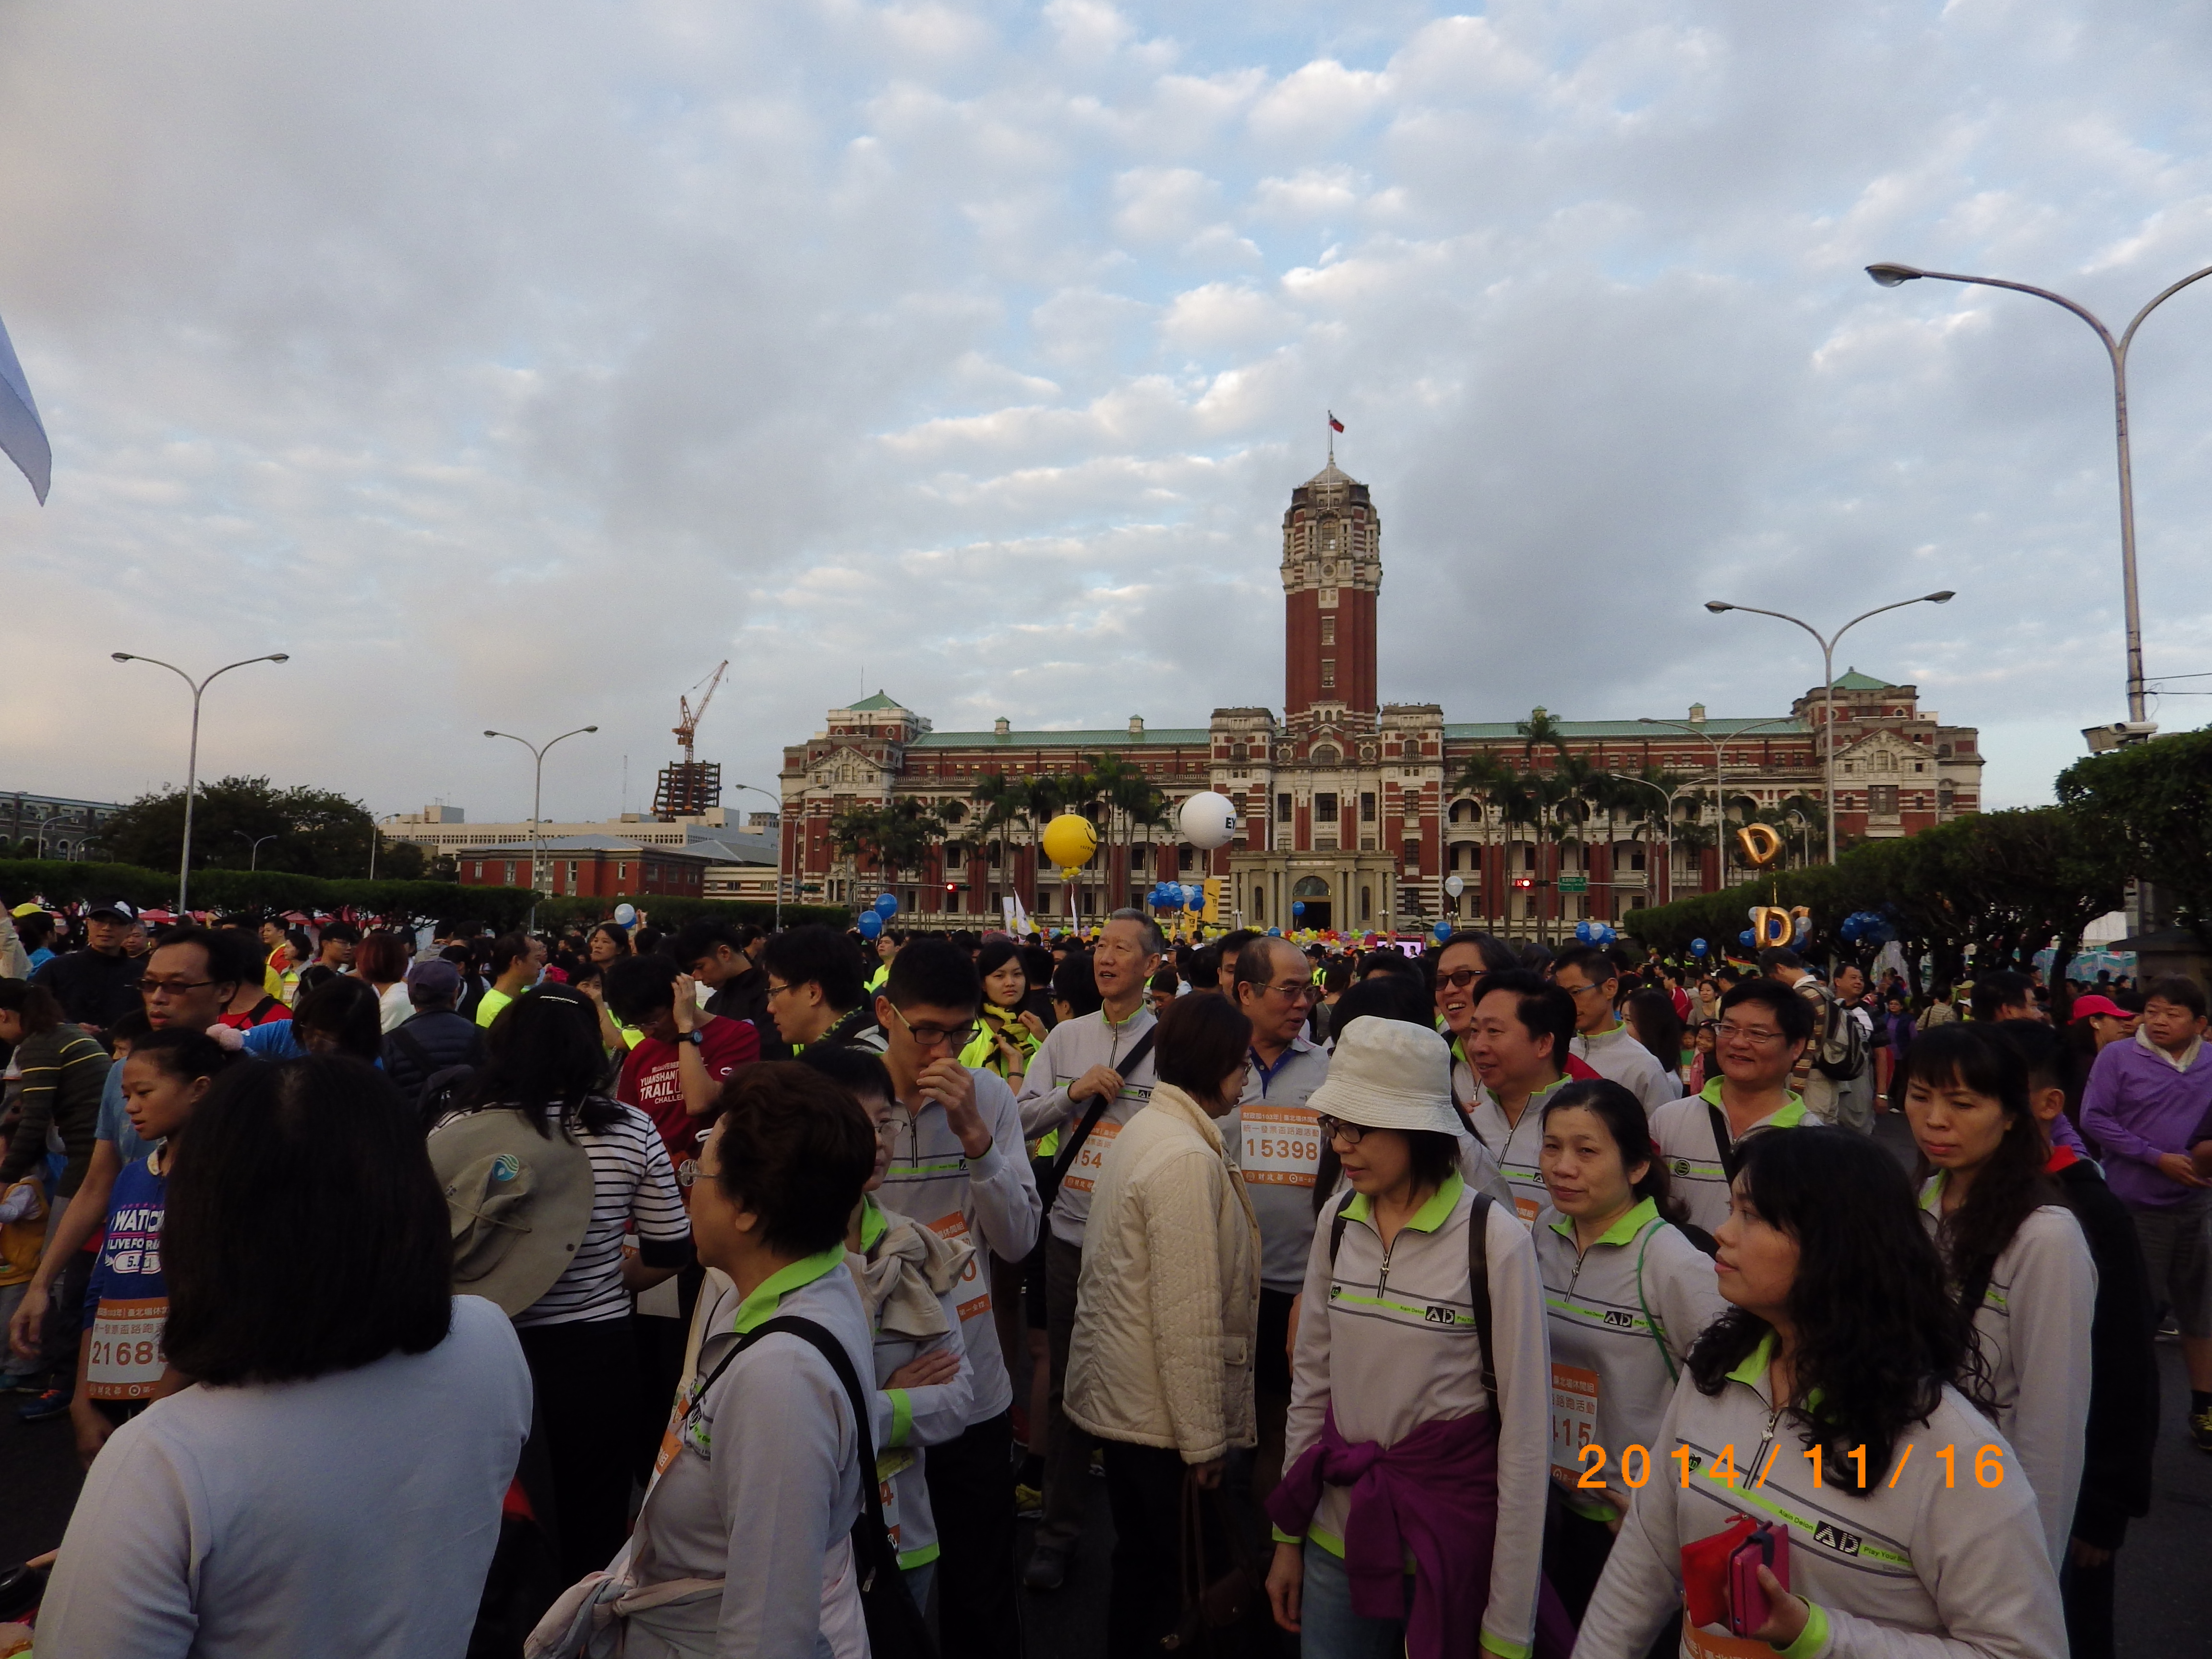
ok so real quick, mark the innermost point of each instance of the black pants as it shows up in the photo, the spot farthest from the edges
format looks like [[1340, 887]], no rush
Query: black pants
[[1144, 1488], [2088, 1594], [1068, 1456], [1575, 1552], [971, 1494], [585, 1375]]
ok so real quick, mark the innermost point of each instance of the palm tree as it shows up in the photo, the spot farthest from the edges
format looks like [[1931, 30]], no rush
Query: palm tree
[[1540, 728], [857, 836]]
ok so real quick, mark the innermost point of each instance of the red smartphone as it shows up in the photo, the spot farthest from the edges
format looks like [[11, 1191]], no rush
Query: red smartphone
[[1768, 1547]]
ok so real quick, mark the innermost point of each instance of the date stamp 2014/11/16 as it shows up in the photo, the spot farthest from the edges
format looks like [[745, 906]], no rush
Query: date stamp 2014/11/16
[[1988, 1469]]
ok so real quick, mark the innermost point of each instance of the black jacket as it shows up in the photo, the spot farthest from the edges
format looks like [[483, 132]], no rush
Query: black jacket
[[745, 996], [427, 1044], [94, 990], [2123, 1430]]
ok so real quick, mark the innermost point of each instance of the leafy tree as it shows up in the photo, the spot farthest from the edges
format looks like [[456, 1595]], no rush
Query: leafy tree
[[2156, 797], [302, 832]]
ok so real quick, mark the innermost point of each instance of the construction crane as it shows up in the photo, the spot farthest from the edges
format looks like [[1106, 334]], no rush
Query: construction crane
[[690, 787]]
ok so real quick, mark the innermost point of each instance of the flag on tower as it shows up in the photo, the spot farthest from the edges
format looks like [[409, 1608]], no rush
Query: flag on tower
[[22, 435], [1334, 425]]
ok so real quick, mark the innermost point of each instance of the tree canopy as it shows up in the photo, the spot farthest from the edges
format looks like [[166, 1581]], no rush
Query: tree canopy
[[2155, 798], [302, 832]]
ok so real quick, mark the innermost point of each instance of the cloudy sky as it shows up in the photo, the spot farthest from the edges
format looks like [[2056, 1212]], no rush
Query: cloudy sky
[[512, 364]]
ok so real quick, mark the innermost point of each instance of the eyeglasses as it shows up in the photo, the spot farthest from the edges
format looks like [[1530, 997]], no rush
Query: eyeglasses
[[1579, 990], [1304, 991], [930, 1036], [776, 990], [175, 987], [1460, 978], [1762, 1034], [1335, 1128], [687, 1172]]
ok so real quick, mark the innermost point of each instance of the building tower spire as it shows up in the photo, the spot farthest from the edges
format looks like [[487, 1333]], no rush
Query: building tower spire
[[1332, 571]]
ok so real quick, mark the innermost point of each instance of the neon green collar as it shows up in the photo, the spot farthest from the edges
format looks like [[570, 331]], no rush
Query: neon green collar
[[1788, 1116], [760, 1307], [1638, 1217], [1426, 1220], [873, 1226], [1931, 1195], [1752, 1372]]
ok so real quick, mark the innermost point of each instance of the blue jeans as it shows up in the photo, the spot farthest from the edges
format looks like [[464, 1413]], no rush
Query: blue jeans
[[917, 1582], [1330, 1628]]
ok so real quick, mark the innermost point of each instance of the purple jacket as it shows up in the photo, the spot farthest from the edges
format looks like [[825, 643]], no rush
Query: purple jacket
[[2138, 1106]]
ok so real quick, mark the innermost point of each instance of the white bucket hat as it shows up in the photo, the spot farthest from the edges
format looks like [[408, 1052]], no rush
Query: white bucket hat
[[1389, 1074]]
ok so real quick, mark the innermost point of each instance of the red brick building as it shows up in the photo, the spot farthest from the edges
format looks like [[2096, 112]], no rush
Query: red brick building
[[589, 867], [1356, 810]]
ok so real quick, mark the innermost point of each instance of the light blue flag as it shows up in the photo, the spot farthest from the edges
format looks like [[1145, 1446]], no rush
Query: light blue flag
[[22, 435]]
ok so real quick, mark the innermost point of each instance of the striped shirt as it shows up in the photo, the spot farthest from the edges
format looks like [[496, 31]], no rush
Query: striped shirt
[[632, 1181]]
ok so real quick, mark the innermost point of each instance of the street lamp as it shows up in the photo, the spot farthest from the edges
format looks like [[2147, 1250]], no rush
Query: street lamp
[[1894, 275], [538, 753], [778, 799], [49, 822], [192, 755], [253, 861], [1828, 676], [1666, 818], [1720, 790]]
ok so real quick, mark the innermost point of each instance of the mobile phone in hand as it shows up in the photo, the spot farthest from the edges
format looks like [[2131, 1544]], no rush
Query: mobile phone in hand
[[1748, 1608]]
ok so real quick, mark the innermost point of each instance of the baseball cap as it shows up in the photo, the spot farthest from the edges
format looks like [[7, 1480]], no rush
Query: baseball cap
[[433, 976], [2086, 1006], [121, 909], [22, 910]]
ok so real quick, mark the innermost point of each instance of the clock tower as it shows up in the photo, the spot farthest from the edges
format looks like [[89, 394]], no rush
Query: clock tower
[[1332, 572]]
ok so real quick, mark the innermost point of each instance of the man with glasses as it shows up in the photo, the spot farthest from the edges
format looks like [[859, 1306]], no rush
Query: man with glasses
[[179, 990], [98, 985], [957, 1166], [1763, 1030], [1517, 1043], [1273, 1137], [674, 1073], [1084, 1062], [1602, 1038], [813, 990]]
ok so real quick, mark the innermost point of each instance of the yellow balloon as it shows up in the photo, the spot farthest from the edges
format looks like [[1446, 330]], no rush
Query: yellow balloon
[[1069, 841], [1761, 844]]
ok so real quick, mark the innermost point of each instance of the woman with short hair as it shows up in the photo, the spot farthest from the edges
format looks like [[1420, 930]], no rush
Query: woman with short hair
[[381, 961], [331, 1482], [1824, 1403], [1160, 1365]]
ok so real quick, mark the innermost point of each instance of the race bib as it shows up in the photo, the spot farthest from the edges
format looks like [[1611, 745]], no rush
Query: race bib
[[1093, 1159], [126, 1360], [1719, 1645], [974, 1296], [1282, 1146], [1574, 1418], [888, 1466], [1527, 1204]]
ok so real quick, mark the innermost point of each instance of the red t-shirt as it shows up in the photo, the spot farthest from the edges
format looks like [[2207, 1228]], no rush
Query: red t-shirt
[[651, 1083]]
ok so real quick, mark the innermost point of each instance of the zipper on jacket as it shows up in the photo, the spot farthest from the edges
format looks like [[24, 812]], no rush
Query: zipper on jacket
[[1765, 1440]]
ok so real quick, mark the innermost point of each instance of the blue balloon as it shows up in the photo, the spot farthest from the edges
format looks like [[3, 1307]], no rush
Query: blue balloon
[[1274, 932], [871, 925], [1698, 947], [1744, 937], [1444, 927], [1582, 932], [886, 905], [1297, 906]]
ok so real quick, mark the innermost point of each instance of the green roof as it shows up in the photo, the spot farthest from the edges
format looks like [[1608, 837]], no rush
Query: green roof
[[1509, 730], [871, 704], [1120, 738], [1851, 680]]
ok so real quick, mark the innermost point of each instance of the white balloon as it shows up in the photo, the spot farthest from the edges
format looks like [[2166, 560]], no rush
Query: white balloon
[[1454, 886], [1208, 820], [625, 915]]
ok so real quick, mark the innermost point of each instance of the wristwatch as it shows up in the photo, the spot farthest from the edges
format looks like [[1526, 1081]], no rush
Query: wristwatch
[[695, 1036]]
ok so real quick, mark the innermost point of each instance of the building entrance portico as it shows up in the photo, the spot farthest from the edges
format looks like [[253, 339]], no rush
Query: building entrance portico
[[1352, 892]]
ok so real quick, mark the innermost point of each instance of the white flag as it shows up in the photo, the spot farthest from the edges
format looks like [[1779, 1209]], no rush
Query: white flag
[[22, 435]]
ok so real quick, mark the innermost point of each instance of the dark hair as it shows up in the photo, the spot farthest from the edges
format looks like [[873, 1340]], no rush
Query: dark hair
[[1629, 1130], [619, 934], [1791, 1011], [1542, 1008], [1594, 962], [796, 1149], [856, 1069], [1200, 1040], [696, 941], [346, 1009], [301, 946], [544, 1050], [1075, 984], [2012, 1185], [1431, 1155], [2001, 988], [2050, 1056], [1878, 1335], [507, 950], [1037, 964], [312, 977], [1235, 939], [817, 955], [34, 930], [35, 1004], [237, 956], [2179, 989], [381, 959], [933, 973], [996, 954], [183, 1053], [1254, 964], [1779, 956], [129, 1026], [305, 1231], [1166, 980], [1651, 1017], [639, 987], [343, 931], [1388, 959], [1336, 977], [219, 956], [1383, 996]]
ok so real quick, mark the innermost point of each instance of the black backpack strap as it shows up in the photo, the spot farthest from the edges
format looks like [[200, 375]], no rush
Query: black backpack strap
[[1478, 1287], [1722, 1144], [1048, 1188], [1336, 1227]]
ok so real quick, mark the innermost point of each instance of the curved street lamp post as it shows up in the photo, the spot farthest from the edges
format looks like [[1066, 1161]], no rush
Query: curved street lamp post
[[1720, 790], [1895, 276], [778, 799], [1827, 643], [192, 755], [538, 753]]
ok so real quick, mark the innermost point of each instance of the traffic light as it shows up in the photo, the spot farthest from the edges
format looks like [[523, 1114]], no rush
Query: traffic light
[[952, 892], [1212, 914], [1524, 881]]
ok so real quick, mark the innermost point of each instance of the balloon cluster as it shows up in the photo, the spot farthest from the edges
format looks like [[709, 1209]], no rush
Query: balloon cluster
[[1866, 927], [1176, 896], [872, 920], [1772, 926], [1596, 933]]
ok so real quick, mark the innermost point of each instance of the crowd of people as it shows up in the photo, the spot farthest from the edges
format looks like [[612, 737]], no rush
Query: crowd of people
[[715, 1291]]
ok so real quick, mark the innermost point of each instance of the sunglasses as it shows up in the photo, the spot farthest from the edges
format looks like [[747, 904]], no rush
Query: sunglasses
[[1460, 978]]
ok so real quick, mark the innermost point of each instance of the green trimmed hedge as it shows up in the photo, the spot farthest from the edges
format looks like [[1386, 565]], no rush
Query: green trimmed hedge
[[60, 882]]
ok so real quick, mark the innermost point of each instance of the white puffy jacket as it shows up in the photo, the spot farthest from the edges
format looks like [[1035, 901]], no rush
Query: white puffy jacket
[[1168, 1302]]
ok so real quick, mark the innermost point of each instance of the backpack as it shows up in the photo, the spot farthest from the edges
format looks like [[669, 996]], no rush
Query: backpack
[[1842, 1054]]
